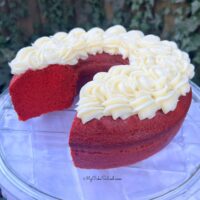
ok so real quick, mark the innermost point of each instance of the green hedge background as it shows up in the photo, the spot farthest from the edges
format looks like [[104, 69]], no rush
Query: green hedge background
[[22, 21]]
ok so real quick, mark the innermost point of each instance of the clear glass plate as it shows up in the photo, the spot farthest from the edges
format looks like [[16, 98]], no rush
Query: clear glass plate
[[35, 157]]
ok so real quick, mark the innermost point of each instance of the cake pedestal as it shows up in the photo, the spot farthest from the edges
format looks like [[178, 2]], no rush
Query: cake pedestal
[[35, 162]]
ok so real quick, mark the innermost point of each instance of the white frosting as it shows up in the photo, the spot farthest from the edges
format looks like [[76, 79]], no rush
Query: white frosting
[[67, 48], [127, 90], [157, 75]]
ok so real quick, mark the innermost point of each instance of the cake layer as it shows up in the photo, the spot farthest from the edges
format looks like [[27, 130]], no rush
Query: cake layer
[[96, 143]]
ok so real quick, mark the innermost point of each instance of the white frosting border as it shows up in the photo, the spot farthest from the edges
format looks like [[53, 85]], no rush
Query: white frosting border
[[158, 70]]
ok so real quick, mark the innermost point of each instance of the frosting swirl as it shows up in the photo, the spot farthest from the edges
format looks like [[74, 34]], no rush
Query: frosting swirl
[[157, 75], [127, 90]]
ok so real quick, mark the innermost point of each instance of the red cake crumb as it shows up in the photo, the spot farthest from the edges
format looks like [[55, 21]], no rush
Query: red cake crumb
[[109, 143], [37, 92]]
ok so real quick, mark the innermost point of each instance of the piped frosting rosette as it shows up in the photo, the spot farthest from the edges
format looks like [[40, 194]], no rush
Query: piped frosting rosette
[[124, 91], [157, 75]]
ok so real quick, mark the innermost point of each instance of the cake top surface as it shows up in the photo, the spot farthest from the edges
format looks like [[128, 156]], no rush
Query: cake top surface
[[157, 74]]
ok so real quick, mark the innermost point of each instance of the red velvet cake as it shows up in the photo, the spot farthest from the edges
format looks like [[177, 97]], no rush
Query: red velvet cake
[[133, 89], [109, 143]]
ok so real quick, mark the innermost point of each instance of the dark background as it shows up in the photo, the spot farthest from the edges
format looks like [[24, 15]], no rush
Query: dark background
[[22, 21]]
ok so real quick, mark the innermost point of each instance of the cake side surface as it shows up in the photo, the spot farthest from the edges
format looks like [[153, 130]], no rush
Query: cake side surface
[[96, 144], [122, 156]]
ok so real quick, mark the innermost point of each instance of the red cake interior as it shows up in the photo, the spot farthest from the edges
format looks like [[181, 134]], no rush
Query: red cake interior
[[86, 69], [42, 91], [108, 143], [54, 87]]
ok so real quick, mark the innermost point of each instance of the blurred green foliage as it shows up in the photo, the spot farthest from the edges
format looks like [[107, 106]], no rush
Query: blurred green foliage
[[177, 20]]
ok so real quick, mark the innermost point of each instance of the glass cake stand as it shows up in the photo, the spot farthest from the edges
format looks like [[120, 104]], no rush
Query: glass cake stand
[[35, 162]]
